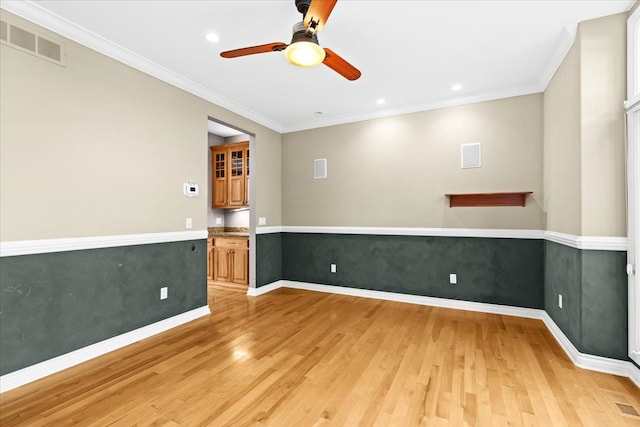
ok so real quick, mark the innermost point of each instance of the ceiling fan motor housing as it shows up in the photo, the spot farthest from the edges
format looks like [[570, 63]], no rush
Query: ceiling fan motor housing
[[300, 34]]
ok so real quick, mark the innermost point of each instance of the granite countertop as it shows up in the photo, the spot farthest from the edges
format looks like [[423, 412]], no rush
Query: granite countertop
[[228, 232]]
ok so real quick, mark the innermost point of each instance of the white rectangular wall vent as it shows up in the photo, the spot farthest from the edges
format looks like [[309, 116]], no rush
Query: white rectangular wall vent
[[319, 168], [470, 155], [4, 31], [32, 42], [49, 49]]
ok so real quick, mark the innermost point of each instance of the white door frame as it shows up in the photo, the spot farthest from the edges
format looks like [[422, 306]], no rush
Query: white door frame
[[632, 106], [633, 228]]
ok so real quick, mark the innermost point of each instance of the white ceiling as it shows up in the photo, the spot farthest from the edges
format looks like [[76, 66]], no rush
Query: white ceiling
[[410, 52]]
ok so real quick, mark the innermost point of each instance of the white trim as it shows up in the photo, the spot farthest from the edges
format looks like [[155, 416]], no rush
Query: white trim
[[568, 37], [632, 106], [268, 230], [530, 313], [31, 247], [588, 361], [415, 231], [53, 22], [254, 292], [634, 375], [39, 370], [585, 361], [633, 62], [417, 108], [602, 243]]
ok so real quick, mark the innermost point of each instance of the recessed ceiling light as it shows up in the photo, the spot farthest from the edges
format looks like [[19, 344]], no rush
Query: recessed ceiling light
[[456, 86], [213, 37], [380, 101]]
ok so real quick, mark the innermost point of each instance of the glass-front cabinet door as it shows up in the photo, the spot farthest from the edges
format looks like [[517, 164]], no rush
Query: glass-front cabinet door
[[237, 168]]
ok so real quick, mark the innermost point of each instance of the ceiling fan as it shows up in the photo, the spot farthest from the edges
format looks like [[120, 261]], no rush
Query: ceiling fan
[[304, 50]]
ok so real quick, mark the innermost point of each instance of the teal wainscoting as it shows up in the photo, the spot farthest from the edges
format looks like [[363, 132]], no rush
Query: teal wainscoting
[[593, 285], [490, 270], [268, 258], [55, 303]]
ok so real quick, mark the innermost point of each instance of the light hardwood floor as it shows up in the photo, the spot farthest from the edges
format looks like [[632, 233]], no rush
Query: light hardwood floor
[[300, 358]]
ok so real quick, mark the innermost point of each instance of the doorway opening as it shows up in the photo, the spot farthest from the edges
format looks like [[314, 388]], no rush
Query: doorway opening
[[230, 208]]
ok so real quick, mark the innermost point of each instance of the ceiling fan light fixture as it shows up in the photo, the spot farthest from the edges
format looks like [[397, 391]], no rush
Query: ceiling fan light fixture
[[304, 54]]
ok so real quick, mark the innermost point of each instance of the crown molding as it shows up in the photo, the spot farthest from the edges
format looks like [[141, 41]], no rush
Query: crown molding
[[417, 108], [44, 18], [567, 38], [53, 22]]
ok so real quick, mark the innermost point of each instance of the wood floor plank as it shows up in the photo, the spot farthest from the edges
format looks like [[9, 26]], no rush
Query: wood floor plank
[[300, 358]]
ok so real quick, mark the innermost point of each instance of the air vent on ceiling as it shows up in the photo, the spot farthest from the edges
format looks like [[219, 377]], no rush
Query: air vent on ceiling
[[32, 42]]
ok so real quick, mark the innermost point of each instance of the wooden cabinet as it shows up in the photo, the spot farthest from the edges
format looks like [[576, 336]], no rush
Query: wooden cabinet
[[230, 175], [210, 270], [229, 260]]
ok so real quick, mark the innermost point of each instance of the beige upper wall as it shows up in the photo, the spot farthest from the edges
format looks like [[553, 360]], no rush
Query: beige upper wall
[[584, 160], [603, 69], [395, 171], [562, 173], [99, 148]]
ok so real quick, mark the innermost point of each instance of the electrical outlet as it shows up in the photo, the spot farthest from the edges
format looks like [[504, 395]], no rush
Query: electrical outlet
[[188, 223], [560, 300], [218, 220], [262, 220], [334, 268], [164, 293], [453, 278]]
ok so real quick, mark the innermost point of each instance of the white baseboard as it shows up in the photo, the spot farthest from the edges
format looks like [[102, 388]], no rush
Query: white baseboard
[[635, 375], [254, 292], [417, 299], [585, 361], [591, 362], [40, 370]]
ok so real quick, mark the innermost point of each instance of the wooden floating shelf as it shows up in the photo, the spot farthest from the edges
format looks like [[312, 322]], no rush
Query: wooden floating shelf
[[488, 199]]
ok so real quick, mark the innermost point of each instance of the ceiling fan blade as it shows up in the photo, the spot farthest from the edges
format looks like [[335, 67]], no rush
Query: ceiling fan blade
[[263, 48], [340, 66], [318, 13]]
